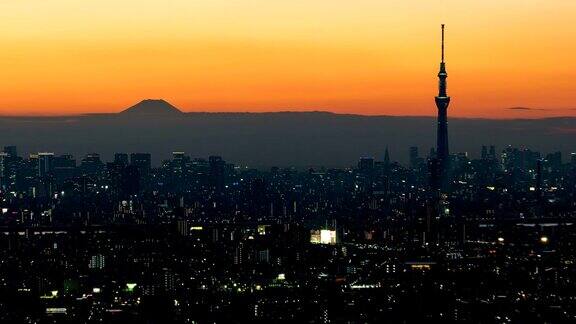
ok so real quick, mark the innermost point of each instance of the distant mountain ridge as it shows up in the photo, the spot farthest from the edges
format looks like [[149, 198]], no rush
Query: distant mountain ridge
[[152, 107], [300, 139]]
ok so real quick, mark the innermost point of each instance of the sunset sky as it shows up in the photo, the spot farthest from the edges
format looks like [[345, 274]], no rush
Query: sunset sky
[[348, 56]]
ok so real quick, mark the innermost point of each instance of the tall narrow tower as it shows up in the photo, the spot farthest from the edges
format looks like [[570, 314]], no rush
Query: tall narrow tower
[[442, 102]]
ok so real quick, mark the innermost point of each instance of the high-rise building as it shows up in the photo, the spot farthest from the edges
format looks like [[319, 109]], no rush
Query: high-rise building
[[366, 164], [413, 157], [91, 164], [179, 162], [129, 180], [386, 157], [492, 154], [45, 163], [143, 161], [182, 227], [538, 177], [554, 161], [3, 161], [11, 151], [484, 155], [239, 254], [97, 262], [217, 172], [178, 155], [442, 102], [264, 256], [168, 283], [64, 167], [121, 159]]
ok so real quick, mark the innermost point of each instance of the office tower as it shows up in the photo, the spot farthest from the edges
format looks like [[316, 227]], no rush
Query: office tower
[[129, 180], [442, 102], [386, 157], [264, 256], [64, 160], [492, 154], [121, 159], [168, 283], [45, 163], [178, 155], [91, 164], [10, 166], [143, 161], [11, 151], [97, 262], [413, 157], [3, 161], [239, 254], [538, 177], [182, 227], [217, 171], [64, 167], [3, 157], [366, 164], [179, 161], [554, 161], [484, 155]]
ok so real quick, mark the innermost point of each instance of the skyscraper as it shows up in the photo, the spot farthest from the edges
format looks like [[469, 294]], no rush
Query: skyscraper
[[91, 164], [366, 164], [45, 163], [442, 102], [121, 159], [484, 152], [217, 172], [3, 157], [11, 151], [143, 161], [413, 157]]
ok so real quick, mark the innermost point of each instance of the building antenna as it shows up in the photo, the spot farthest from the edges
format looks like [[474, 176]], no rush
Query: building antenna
[[442, 43]]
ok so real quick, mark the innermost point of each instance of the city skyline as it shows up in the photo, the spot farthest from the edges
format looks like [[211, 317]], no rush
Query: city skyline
[[367, 58], [148, 214]]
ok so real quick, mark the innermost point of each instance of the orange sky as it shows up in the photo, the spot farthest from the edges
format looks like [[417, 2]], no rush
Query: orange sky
[[361, 56]]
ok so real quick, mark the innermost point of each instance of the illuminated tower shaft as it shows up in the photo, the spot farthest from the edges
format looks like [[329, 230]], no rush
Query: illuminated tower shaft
[[442, 102]]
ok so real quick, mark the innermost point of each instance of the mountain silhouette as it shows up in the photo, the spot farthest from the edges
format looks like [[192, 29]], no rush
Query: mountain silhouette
[[152, 107]]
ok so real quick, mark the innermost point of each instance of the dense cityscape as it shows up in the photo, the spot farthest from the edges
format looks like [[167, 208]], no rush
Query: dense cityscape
[[443, 238], [197, 240]]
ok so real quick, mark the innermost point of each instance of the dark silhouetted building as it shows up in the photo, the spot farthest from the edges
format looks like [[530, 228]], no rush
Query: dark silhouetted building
[[442, 102], [11, 151], [143, 161], [45, 163], [121, 159], [217, 172], [366, 164], [91, 164], [414, 157], [64, 167], [130, 180]]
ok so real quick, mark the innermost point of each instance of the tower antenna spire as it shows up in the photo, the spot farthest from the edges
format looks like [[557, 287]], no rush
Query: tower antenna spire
[[442, 102], [442, 43]]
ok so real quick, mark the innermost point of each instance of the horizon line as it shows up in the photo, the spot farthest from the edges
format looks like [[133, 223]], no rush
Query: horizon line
[[119, 113]]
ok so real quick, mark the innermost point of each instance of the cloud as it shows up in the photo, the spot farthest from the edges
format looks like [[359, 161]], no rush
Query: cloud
[[525, 108]]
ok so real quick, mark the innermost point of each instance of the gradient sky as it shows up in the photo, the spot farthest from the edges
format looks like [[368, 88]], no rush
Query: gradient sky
[[361, 56]]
